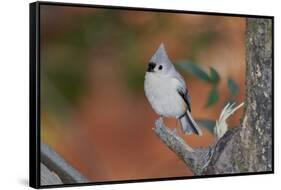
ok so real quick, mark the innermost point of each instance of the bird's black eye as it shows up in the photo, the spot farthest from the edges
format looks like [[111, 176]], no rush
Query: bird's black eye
[[160, 67]]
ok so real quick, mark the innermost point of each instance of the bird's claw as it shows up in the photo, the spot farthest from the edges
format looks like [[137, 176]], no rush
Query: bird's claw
[[161, 119]]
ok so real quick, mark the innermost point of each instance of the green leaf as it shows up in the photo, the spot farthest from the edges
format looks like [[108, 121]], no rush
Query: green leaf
[[194, 70], [232, 87], [134, 77], [214, 76], [206, 123], [212, 98]]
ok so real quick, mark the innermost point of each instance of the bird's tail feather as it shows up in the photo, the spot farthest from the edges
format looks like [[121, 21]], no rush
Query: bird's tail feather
[[188, 125]]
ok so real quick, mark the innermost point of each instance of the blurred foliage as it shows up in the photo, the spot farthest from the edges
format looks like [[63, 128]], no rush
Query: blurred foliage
[[233, 87], [194, 70], [213, 97], [206, 123], [134, 77], [212, 78], [62, 83], [118, 40], [93, 64], [201, 41]]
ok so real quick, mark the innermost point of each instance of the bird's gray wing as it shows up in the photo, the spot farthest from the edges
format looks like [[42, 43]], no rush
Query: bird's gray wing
[[184, 94], [182, 90]]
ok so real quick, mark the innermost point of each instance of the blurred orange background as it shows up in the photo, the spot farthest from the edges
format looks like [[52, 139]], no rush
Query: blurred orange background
[[93, 61]]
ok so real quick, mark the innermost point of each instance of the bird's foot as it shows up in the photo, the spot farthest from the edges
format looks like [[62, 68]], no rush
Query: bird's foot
[[161, 119]]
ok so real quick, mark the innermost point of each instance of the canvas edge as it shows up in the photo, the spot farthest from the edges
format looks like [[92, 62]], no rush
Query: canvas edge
[[34, 97]]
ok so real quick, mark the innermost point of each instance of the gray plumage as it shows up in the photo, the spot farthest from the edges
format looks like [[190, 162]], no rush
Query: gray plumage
[[166, 91]]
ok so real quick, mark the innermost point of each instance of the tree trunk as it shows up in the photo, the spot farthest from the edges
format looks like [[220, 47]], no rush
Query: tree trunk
[[247, 148]]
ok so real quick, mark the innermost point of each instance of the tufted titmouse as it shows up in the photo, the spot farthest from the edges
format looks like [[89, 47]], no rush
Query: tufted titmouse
[[166, 91]]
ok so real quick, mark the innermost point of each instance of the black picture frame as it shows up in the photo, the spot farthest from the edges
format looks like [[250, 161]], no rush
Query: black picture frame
[[34, 97]]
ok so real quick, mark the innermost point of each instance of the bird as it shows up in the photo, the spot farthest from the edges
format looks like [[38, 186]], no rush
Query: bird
[[166, 91]]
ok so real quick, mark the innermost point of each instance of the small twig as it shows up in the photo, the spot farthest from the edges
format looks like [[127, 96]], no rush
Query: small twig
[[221, 125]]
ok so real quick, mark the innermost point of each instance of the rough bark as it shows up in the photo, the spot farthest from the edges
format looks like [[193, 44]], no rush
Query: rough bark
[[247, 148]]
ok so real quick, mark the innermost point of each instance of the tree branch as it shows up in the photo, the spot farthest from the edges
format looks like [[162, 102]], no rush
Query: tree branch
[[200, 160], [195, 159], [248, 147], [56, 170]]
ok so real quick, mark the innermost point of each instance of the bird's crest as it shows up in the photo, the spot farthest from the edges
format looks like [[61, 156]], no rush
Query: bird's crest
[[160, 56]]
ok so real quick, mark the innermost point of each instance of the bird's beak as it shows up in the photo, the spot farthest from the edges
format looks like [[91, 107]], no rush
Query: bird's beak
[[151, 67]]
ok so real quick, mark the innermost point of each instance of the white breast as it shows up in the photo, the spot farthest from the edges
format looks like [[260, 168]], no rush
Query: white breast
[[162, 94]]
